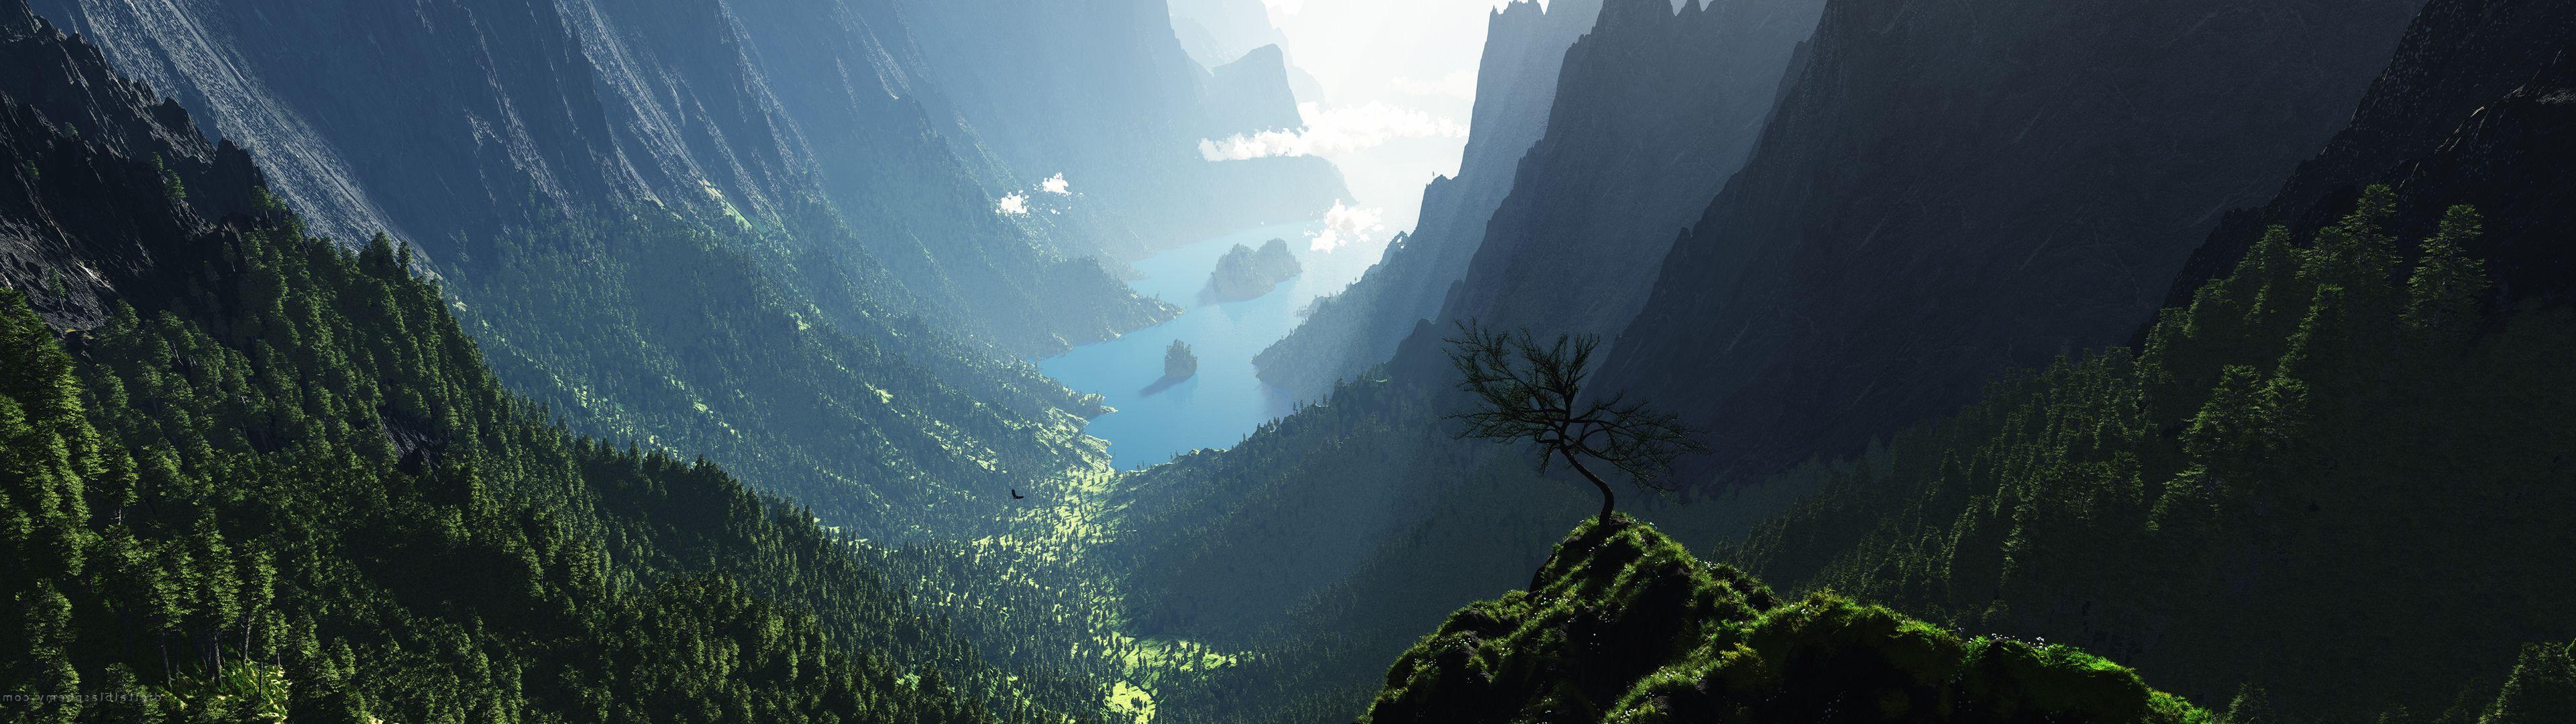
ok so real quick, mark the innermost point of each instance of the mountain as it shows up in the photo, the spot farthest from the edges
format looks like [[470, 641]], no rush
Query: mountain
[[1252, 92], [1942, 196], [1216, 32], [664, 222], [1103, 93], [252, 475], [1653, 111], [2308, 449], [2460, 120], [2272, 464], [1515, 87], [1389, 519], [1622, 624], [455, 121]]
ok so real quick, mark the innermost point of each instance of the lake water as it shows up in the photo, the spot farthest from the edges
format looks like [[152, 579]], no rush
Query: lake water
[[1223, 402]]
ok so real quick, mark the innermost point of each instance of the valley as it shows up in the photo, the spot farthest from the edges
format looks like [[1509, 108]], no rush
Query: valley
[[1156, 419], [1288, 362]]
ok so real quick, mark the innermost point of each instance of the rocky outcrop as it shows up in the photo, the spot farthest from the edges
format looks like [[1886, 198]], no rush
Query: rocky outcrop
[[1621, 624], [1943, 196], [1654, 110], [1244, 273], [1515, 86]]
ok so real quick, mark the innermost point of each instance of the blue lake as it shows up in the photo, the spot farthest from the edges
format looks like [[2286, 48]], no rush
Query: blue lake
[[1223, 402]]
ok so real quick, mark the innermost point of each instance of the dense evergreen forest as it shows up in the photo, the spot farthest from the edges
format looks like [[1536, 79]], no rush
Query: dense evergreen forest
[[276, 481], [655, 328], [668, 361], [2325, 447]]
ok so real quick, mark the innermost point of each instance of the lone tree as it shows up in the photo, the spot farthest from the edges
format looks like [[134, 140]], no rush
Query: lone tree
[[1534, 392]]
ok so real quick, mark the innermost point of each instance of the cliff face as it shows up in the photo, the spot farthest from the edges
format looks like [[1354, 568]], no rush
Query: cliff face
[[1251, 93], [1515, 86], [1103, 93], [451, 121], [1942, 196], [2473, 111], [107, 174], [1653, 111]]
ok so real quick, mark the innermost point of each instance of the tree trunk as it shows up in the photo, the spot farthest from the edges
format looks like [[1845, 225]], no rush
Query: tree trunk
[[1608, 498]]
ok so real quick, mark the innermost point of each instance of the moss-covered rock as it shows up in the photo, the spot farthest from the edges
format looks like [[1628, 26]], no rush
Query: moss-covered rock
[[1624, 625]]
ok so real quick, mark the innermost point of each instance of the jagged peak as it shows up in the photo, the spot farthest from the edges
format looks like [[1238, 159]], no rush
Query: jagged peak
[[19, 22], [1617, 14]]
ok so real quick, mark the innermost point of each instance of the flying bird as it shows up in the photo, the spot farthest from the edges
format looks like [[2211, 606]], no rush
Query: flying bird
[[1015, 494]]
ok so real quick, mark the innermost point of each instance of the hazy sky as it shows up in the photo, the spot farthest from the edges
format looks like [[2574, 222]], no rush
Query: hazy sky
[[1409, 55], [1399, 80]]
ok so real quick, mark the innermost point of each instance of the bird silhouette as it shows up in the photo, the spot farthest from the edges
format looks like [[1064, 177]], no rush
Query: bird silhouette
[[1015, 494]]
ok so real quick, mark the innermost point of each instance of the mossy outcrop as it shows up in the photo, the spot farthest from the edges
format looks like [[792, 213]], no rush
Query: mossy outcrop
[[1623, 625]]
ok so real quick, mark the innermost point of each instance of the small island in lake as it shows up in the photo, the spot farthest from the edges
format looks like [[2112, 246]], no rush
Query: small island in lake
[[1244, 273], [1179, 362]]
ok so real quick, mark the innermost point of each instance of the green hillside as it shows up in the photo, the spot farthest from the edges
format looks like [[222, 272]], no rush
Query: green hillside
[[2335, 459], [276, 481]]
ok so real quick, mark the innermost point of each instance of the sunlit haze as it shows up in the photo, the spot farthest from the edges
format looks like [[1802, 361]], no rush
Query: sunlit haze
[[1397, 84]]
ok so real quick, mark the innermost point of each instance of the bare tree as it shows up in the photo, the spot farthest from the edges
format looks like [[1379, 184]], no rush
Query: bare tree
[[1534, 392]]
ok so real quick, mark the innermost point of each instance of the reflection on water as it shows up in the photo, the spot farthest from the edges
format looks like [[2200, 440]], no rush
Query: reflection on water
[[1158, 418]]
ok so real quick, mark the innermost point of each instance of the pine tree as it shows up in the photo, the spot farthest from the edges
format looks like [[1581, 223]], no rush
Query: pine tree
[[2443, 295]]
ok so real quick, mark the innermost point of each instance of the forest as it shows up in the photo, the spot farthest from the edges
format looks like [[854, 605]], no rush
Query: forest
[[2173, 362]]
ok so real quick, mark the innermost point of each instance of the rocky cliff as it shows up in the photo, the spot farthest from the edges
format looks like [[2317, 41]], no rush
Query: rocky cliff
[[1251, 93], [108, 173], [1944, 195], [1653, 111], [1515, 86]]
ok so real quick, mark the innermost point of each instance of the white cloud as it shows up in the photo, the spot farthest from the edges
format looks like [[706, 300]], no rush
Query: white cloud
[[1015, 203], [1333, 132], [1344, 226], [1284, 7], [1457, 84], [1056, 185]]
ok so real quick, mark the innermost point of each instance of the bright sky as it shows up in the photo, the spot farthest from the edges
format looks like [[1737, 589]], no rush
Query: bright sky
[[1399, 80]]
